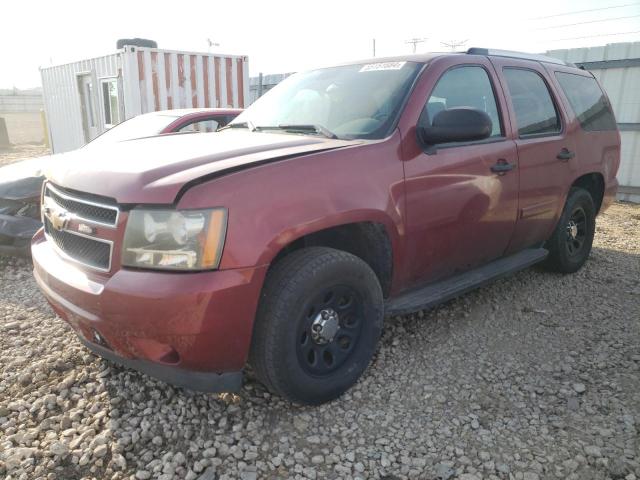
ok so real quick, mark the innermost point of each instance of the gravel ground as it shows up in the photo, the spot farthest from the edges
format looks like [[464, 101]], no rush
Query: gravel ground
[[533, 377], [22, 152]]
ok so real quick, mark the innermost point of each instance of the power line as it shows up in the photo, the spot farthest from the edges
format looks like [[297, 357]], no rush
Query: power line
[[588, 21], [415, 42], [585, 11], [594, 36], [211, 43], [454, 44]]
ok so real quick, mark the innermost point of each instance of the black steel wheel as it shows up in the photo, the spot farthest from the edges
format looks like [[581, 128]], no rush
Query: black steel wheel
[[570, 245], [576, 231], [330, 329], [318, 324]]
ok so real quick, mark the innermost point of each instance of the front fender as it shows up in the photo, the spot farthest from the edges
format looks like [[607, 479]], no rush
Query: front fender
[[272, 205], [295, 232]]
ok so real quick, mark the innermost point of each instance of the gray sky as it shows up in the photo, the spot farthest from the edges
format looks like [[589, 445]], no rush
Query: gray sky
[[282, 36]]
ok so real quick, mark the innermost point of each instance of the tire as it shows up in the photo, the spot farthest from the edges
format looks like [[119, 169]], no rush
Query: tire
[[290, 325], [570, 244]]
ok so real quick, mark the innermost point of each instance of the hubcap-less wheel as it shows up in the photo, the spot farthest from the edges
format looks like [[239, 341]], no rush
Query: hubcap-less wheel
[[318, 323], [330, 330], [576, 232], [570, 243]]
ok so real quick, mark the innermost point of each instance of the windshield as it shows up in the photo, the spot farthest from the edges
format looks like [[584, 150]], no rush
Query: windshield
[[352, 101], [136, 127]]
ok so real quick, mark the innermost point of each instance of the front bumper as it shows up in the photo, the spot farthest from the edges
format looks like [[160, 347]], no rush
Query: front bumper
[[199, 381], [16, 233], [192, 330]]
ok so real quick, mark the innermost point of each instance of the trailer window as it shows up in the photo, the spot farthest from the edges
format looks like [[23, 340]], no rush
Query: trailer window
[[111, 102]]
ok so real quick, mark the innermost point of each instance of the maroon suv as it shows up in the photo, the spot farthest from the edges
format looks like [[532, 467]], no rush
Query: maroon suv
[[344, 194]]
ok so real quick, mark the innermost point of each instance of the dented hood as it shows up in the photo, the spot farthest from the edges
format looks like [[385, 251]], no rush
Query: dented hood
[[154, 170]]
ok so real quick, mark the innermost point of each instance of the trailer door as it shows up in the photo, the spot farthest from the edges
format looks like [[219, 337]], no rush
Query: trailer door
[[88, 106]]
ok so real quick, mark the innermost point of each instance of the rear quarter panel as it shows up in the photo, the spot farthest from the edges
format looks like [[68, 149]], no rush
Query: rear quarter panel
[[596, 151], [272, 205]]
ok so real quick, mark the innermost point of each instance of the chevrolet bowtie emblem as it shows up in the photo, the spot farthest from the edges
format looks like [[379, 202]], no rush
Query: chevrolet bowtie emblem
[[57, 216]]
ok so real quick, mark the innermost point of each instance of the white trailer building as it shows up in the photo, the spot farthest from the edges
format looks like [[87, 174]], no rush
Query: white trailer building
[[617, 68], [83, 99]]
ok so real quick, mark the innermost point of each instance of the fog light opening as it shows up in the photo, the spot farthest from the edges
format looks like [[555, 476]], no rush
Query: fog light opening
[[172, 357]]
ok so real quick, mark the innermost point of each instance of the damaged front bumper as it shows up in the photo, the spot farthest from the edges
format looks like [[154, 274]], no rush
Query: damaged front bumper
[[19, 208], [16, 233]]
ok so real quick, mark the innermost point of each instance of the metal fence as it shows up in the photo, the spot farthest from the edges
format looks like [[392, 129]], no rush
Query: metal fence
[[21, 114], [21, 103], [261, 84]]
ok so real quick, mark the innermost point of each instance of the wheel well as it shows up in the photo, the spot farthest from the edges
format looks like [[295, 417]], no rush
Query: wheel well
[[366, 240], [594, 184]]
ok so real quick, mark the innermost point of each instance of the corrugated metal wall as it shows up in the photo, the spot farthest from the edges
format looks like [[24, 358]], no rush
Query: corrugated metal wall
[[62, 99], [617, 68], [162, 79], [149, 80]]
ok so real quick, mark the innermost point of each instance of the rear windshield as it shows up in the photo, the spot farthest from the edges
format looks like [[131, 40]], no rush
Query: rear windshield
[[136, 127], [588, 102]]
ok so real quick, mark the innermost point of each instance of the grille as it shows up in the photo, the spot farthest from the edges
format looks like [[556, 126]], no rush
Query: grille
[[84, 208], [94, 253]]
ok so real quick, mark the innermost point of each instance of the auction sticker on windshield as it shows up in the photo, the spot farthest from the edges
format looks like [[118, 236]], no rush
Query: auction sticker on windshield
[[374, 67]]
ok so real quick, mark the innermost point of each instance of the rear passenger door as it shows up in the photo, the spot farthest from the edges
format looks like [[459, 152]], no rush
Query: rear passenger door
[[546, 153]]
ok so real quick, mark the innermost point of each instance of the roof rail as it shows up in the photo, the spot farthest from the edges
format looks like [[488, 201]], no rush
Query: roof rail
[[510, 54]]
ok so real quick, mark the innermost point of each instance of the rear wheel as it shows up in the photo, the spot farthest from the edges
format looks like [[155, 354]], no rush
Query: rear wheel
[[570, 244], [318, 324]]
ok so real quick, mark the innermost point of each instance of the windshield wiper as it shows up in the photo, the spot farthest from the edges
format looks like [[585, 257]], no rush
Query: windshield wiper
[[302, 128], [247, 124]]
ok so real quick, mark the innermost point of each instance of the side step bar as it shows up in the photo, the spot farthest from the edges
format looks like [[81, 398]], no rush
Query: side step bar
[[439, 292]]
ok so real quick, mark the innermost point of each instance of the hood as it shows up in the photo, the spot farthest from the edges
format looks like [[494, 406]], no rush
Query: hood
[[23, 180], [154, 169]]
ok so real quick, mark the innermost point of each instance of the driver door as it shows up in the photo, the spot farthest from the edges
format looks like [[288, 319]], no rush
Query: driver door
[[460, 213]]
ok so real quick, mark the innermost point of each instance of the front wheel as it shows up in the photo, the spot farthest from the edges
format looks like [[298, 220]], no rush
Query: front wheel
[[318, 324], [570, 244]]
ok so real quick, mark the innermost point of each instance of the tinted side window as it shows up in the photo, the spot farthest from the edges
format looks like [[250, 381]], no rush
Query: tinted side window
[[465, 87], [588, 101], [535, 112]]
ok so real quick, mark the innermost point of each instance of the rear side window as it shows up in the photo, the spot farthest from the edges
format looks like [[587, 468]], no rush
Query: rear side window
[[588, 102], [535, 112], [465, 87]]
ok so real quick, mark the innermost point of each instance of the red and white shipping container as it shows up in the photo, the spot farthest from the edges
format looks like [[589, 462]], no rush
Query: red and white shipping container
[[83, 99]]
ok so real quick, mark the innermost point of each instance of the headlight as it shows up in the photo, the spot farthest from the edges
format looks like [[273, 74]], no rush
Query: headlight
[[174, 239]]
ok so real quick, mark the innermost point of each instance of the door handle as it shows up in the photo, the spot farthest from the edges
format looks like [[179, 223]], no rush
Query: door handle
[[502, 166], [565, 155]]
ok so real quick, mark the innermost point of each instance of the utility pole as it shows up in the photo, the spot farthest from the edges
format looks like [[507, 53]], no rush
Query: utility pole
[[454, 44], [374, 47], [415, 42], [211, 43]]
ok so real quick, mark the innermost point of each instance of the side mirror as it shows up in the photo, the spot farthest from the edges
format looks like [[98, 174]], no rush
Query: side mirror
[[460, 124]]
